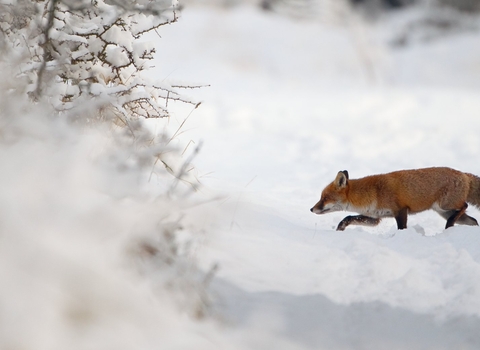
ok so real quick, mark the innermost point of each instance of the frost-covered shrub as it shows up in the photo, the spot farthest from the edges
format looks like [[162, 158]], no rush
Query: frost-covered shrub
[[88, 58], [93, 255], [324, 10], [79, 49], [432, 23]]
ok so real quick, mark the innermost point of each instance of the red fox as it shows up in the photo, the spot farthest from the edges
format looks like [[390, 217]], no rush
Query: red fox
[[400, 193]]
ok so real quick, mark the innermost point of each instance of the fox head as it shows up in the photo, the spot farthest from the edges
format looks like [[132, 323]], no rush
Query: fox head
[[334, 196]]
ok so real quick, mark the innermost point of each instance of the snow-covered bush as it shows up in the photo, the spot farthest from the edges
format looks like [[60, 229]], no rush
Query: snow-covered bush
[[79, 49], [88, 58], [430, 23], [93, 255], [325, 10]]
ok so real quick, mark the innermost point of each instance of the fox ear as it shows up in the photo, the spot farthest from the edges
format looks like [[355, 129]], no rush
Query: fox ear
[[342, 179]]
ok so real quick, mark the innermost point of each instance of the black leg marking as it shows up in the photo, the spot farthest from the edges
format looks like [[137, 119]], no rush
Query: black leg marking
[[456, 215], [357, 220], [401, 218]]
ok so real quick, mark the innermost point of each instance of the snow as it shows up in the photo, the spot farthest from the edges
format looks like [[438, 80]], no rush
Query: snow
[[116, 56], [291, 103], [115, 34]]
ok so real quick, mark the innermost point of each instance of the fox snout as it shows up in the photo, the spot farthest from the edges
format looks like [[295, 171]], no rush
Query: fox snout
[[326, 206], [318, 209]]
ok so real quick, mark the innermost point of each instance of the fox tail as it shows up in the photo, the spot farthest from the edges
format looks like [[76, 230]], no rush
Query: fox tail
[[474, 193]]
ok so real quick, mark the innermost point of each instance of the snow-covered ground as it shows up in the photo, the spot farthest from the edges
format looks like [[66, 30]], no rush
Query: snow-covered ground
[[291, 103]]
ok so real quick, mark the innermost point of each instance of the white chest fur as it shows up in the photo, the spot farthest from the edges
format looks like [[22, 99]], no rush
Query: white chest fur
[[371, 211]]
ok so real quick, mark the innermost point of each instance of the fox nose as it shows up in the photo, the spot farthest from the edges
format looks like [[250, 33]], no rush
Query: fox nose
[[311, 210]]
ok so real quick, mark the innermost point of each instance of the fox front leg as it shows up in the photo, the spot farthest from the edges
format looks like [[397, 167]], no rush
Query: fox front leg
[[401, 218], [357, 220]]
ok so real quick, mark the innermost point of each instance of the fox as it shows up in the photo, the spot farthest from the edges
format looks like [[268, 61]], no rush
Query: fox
[[400, 193]]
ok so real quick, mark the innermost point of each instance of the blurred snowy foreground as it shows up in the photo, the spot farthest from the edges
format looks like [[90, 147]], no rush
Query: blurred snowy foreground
[[291, 103]]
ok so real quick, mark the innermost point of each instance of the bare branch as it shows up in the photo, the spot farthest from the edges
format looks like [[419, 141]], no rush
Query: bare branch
[[51, 6]]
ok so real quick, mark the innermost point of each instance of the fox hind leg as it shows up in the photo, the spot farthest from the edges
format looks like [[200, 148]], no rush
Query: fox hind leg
[[458, 217], [457, 214], [462, 220], [357, 220]]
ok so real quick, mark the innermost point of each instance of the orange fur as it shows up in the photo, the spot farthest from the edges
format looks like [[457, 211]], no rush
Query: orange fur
[[399, 193]]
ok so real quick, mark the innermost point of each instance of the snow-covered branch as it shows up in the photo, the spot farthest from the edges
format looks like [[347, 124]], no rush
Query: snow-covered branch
[[91, 49]]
